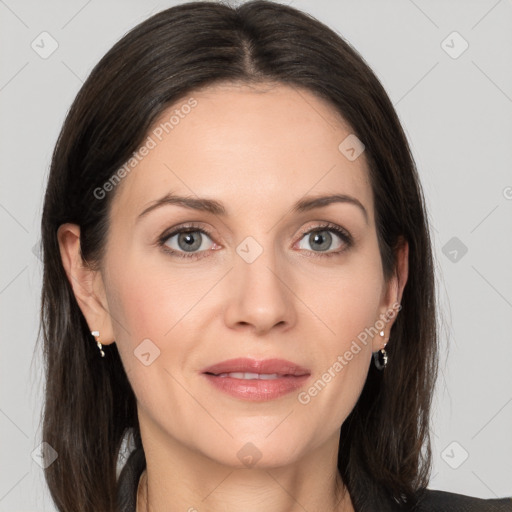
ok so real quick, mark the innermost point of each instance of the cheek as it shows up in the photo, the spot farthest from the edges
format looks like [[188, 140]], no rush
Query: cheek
[[338, 383], [144, 309], [348, 308], [139, 312], [147, 300], [346, 301], [154, 315]]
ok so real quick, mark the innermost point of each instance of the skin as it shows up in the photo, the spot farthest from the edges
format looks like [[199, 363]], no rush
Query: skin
[[257, 150]]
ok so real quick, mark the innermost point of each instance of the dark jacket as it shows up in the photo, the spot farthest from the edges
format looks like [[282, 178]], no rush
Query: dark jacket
[[430, 501]]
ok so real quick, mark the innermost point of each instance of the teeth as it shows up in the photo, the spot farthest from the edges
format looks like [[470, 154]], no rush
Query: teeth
[[241, 375]]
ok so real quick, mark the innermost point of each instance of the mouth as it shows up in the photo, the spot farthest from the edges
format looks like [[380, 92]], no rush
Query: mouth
[[250, 379], [248, 376], [246, 368]]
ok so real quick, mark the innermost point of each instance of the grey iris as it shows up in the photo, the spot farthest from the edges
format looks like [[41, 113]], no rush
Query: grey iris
[[189, 244], [323, 238]]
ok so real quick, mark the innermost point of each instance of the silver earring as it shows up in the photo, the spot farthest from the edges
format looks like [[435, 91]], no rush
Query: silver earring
[[96, 335], [380, 358]]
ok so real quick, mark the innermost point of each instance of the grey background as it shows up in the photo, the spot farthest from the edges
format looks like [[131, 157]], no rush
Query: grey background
[[457, 115]]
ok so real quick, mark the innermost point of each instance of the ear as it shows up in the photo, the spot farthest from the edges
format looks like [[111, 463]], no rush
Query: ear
[[87, 283], [392, 293]]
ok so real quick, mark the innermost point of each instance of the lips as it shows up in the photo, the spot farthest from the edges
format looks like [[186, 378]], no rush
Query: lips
[[256, 381], [279, 367]]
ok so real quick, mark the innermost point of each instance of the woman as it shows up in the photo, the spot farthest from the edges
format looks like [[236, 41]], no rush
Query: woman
[[186, 303]]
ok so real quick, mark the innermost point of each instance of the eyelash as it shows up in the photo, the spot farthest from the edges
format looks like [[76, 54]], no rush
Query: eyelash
[[192, 228]]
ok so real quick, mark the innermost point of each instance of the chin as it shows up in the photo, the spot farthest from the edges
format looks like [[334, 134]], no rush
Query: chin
[[255, 452]]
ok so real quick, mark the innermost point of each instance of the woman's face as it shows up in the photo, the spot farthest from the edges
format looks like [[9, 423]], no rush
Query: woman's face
[[262, 279]]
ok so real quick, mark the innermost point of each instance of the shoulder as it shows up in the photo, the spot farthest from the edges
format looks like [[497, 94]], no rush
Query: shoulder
[[442, 501], [128, 481], [428, 500]]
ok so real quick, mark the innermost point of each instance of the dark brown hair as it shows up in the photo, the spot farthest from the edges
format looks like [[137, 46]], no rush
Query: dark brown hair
[[384, 443]]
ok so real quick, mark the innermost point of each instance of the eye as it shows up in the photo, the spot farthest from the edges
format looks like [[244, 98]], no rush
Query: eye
[[321, 240], [186, 241], [191, 241]]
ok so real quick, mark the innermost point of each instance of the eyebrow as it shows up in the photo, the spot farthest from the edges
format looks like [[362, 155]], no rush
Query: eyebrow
[[215, 207], [316, 202]]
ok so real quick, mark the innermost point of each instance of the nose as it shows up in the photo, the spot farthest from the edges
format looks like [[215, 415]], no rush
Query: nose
[[260, 298]]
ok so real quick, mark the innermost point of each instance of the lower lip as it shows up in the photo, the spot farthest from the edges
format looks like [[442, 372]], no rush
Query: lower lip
[[257, 390]]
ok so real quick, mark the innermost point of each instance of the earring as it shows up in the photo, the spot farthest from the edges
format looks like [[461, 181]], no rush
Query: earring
[[380, 358], [96, 335]]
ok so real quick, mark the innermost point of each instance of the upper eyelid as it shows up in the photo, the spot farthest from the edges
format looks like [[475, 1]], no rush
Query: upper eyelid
[[327, 226]]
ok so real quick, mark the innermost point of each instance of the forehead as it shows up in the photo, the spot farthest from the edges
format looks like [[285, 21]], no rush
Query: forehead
[[246, 145]]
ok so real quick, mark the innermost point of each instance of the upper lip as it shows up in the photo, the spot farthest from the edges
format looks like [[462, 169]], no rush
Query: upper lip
[[268, 366]]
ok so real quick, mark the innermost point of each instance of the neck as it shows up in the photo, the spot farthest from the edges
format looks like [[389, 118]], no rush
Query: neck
[[185, 480], [340, 502]]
